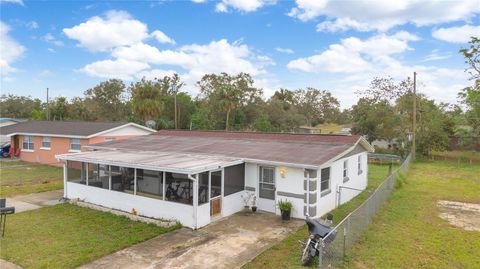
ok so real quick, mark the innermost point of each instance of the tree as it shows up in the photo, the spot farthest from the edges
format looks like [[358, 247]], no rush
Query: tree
[[227, 92], [107, 99], [79, 110], [472, 58], [59, 108], [317, 106], [18, 106], [385, 89], [147, 99]]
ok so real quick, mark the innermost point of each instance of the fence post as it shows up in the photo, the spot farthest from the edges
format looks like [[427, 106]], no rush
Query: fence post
[[320, 254]]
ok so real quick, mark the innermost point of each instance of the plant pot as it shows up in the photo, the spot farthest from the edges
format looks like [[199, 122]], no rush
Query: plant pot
[[285, 215], [254, 208]]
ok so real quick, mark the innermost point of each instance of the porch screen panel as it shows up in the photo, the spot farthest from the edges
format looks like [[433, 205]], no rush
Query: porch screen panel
[[234, 179], [202, 188], [98, 175], [267, 182], [150, 183], [179, 188], [76, 172], [123, 179]]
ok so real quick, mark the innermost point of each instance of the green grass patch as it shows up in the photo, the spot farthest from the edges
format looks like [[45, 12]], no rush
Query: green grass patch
[[408, 233], [286, 254], [17, 177], [66, 236]]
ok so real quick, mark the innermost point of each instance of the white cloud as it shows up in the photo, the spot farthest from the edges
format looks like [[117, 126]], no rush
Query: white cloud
[[367, 15], [155, 73], [199, 1], [10, 50], [353, 54], [285, 50], [32, 25], [119, 68], [117, 28], [51, 50], [20, 2], [460, 34], [435, 56], [162, 38], [242, 5], [51, 39], [352, 63]]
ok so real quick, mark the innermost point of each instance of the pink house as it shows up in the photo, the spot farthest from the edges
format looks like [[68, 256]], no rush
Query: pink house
[[40, 141]]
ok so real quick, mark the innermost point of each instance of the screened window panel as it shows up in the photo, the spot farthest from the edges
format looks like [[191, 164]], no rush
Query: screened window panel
[[76, 172], [267, 182], [150, 183], [234, 179], [98, 175], [123, 179], [179, 188], [203, 188]]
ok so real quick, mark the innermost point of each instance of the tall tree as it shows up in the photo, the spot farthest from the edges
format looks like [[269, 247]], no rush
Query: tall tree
[[107, 99], [18, 106], [147, 99], [317, 106], [228, 92]]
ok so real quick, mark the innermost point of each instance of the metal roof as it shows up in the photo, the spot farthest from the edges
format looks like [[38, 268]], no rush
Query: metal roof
[[299, 150], [168, 162]]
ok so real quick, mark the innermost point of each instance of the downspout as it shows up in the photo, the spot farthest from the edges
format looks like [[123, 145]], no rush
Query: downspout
[[195, 200]]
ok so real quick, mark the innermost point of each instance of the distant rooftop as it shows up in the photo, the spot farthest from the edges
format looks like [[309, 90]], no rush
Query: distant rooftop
[[66, 128]]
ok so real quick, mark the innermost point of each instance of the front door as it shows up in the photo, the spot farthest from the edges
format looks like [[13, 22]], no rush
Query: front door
[[266, 189], [215, 193]]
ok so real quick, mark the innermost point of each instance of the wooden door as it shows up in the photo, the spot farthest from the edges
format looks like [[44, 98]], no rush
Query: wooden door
[[215, 206]]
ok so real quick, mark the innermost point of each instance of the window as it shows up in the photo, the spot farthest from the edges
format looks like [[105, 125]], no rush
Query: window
[[234, 179], [359, 164], [109, 138], [98, 175], [76, 172], [325, 179], [123, 179], [179, 188], [202, 188], [46, 142], [75, 144], [150, 183], [345, 170], [28, 143], [267, 182]]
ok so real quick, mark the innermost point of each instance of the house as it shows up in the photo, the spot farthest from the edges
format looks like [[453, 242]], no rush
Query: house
[[40, 141], [6, 122], [196, 177]]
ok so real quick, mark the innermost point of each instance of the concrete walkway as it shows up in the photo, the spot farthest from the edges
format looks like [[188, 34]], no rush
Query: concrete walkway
[[228, 243], [34, 200]]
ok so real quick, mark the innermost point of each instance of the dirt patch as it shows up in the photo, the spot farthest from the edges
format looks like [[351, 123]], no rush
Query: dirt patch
[[462, 215]]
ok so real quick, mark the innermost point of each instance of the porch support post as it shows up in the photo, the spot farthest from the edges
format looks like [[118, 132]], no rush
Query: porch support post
[[135, 181], [195, 199], [65, 175]]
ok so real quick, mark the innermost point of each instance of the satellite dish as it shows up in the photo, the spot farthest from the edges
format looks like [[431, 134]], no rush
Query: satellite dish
[[150, 123]]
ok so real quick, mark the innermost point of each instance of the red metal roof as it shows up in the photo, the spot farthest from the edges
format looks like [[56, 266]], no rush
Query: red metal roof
[[299, 149]]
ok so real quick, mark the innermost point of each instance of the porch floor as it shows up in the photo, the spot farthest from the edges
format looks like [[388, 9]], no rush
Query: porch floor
[[227, 243]]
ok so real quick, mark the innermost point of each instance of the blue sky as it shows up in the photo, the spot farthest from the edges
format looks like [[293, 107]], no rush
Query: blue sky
[[70, 46]]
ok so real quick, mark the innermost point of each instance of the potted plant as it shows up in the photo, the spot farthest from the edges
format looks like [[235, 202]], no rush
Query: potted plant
[[254, 204], [285, 207]]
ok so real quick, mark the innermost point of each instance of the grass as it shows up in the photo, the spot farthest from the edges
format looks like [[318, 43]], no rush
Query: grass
[[407, 232], [287, 253], [17, 177], [330, 128], [463, 156], [66, 236]]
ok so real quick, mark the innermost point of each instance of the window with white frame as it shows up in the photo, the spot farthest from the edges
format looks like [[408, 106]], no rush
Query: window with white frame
[[75, 144], [325, 180], [345, 170], [28, 143], [46, 142], [359, 161]]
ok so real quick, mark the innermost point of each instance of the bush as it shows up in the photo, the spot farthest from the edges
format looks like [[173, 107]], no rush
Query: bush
[[285, 205]]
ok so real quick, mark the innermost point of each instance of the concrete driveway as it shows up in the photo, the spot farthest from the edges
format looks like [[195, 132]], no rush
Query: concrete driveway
[[227, 243], [34, 200]]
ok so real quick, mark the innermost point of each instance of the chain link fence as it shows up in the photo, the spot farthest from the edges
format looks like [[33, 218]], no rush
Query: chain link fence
[[337, 244]]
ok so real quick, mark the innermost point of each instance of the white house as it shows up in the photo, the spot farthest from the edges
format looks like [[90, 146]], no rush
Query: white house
[[196, 177]]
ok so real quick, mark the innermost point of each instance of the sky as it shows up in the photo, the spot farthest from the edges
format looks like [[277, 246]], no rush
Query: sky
[[340, 46]]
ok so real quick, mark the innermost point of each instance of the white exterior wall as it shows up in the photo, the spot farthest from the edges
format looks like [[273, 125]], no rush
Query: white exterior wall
[[145, 206], [203, 215], [232, 203], [127, 130], [358, 181]]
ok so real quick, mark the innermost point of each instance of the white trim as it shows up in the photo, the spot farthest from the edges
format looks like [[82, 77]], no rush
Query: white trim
[[122, 126], [361, 140], [51, 135], [74, 150], [27, 150], [46, 148]]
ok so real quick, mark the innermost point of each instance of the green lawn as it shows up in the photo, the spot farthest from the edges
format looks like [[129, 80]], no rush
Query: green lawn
[[18, 177], [407, 232], [66, 236], [287, 253], [457, 155]]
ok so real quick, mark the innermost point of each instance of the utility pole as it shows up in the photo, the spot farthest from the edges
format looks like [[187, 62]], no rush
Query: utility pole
[[414, 148], [48, 107], [174, 88]]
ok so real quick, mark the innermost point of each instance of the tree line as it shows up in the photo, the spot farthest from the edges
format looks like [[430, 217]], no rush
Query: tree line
[[231, 102]]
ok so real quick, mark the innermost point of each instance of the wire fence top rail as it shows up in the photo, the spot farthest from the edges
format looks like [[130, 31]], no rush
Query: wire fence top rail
[[337, 242]]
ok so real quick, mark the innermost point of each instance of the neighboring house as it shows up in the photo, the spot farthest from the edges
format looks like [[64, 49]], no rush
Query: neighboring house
[[7, 122], [196, 177], [40, 141]]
